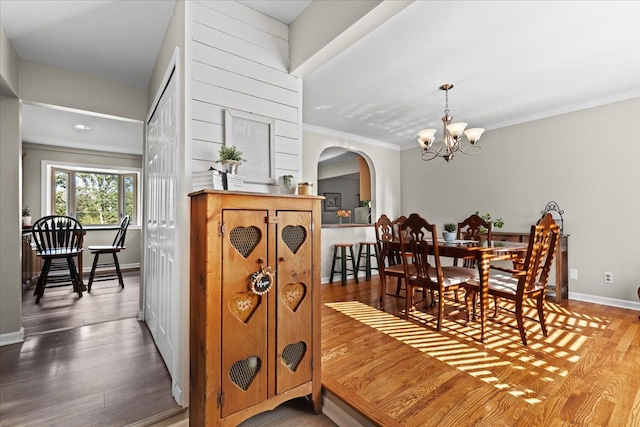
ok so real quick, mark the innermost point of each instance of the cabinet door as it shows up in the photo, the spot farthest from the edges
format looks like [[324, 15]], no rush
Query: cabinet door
[[294, 281], [244, 314]]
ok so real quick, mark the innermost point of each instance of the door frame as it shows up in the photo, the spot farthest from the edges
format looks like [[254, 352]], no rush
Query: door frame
[[179, 372]]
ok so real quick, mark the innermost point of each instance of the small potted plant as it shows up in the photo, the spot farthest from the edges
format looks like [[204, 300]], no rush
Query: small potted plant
[[230, 158], [287, 184], [449, 233], [498, 223], [26, 216]]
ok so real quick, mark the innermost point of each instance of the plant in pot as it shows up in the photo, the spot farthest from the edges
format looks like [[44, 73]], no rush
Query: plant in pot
[[26, 216], [449, 233], [498, 223], [230, 158], [287, 184]]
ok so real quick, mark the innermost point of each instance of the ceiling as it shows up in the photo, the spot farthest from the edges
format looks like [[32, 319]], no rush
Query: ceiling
[[510, 62]]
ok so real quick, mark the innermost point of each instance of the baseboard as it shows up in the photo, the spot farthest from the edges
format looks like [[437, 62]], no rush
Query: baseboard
[[612, 302], [12, 337], [341, 414], [324, 280]]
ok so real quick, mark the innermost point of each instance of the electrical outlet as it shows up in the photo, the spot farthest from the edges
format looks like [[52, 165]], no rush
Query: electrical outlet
[[608, 277], [573, 274]]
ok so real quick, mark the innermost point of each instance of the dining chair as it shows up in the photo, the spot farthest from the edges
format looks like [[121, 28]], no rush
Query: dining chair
[[419, 240], [471, 229], [389, 262], [531, 281], [58, 237], [113, 249]]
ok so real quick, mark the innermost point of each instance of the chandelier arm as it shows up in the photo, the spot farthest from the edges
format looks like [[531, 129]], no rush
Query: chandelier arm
[[471, 149], [433, 152]]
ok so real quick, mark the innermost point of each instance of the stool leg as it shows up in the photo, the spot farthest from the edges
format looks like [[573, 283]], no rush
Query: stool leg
[[359, 257], [343, 265], [353, 264], [93, 271], [367, 264], [333, 263], [115, 261]]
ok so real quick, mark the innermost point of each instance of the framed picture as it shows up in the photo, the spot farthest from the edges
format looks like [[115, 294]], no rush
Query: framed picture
[[254, 135], [332, 202]]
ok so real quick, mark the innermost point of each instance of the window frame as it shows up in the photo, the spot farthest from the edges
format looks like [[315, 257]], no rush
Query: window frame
[[50, 168]]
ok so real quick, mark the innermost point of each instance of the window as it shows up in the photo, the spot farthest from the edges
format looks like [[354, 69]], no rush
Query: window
[[94, 196]]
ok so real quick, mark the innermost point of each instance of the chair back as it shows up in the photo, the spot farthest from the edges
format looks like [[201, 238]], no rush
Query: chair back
[[118, 241], [385, 233], [470, 229], [543, 242], [418, 240], [57, 233]]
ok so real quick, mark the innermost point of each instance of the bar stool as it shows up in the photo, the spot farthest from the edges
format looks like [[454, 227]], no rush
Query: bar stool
[[344, 257], [367, 254]]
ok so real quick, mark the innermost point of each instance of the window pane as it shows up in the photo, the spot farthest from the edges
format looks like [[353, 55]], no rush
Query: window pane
[[96, 198], [129, 193], [61, 195]]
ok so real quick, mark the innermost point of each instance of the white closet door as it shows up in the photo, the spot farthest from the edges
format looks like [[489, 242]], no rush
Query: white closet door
[[161, 245]]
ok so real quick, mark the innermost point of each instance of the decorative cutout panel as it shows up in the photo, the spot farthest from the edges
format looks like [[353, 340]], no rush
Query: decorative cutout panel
[[293, 294], [245, 239], [294, 236], [292, 355], [243, 305], [243, 372]]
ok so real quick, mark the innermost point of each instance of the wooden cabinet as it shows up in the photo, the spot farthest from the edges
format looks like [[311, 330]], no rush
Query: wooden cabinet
[[251, 351], [561, 261]]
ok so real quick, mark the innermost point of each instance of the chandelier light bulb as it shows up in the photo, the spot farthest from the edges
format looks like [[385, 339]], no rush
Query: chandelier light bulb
[[474, 134], [426, 136], [456, 129]]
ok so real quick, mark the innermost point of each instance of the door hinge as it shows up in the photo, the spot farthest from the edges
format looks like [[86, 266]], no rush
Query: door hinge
[[222, 228], [220, 399]]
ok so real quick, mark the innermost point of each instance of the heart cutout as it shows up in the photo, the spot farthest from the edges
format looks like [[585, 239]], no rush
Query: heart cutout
[[243, 372], [294, 236], [292, 355], [293, 294], [243, 305], [245, 239]]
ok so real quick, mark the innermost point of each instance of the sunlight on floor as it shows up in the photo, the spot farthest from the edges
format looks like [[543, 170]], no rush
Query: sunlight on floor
[[457, 344]]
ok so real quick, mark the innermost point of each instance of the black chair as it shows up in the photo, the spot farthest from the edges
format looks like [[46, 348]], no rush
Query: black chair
[[113, 249], [58, 237]]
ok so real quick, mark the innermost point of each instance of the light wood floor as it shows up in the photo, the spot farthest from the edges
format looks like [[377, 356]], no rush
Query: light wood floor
[[405, 373]]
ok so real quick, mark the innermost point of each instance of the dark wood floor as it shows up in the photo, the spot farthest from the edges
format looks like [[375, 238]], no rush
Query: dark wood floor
[[84, 362], [405, 373]]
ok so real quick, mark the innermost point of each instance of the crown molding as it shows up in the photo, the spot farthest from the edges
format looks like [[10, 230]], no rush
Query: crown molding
[[350, 136]]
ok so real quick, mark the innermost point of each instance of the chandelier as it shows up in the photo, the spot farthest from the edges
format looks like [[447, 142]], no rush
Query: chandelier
[[451, 141]]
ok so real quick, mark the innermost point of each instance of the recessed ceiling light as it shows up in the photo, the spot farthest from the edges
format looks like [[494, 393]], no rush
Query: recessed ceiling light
[[81, 127]]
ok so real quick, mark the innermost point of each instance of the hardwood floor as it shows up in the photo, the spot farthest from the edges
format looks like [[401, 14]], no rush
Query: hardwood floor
[[405, 373], [84, 362]]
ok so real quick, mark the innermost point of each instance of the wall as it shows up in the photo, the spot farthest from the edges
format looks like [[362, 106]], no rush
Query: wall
[[571, 159], [8, 66], [384, 162], [32, 179], [239, 61], [10, 221], [348, 189]]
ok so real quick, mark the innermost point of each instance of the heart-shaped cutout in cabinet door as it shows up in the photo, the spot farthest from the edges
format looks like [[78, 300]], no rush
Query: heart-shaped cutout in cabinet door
[[245, 239], [294, 236], [243, 305], [292, 355], [244, 371], [293, 294]]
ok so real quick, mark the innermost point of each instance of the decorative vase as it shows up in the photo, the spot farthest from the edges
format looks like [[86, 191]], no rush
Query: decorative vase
[[26, 221], [287, 184], [230, 166], [339, 220]]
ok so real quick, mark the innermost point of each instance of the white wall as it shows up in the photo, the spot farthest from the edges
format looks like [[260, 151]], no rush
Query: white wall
[[8, 66], [239, 60], [384, 162], [573, 159]]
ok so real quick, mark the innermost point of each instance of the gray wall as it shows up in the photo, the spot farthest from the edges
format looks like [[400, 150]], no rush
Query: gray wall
[[349, 189], [572, 159]]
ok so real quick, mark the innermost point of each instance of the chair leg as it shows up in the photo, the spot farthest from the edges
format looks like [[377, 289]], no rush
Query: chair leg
[[333, 263], [117, 264], [440, 309], [73, 273], [399, 286], [408, 301], [541, 315], [520, 320], [469, 301], [93, 271], [455, 293], [353, 265], [495, 307], [42, 280], [383, 290]]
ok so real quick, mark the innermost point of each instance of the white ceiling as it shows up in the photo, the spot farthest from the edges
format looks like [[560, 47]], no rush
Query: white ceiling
[[510, 62]]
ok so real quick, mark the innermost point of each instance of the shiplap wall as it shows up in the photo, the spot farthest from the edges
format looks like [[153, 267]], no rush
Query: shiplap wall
[[240, 61]]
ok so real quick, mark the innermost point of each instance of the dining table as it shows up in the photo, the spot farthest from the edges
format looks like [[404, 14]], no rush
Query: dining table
[[484, 252]]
